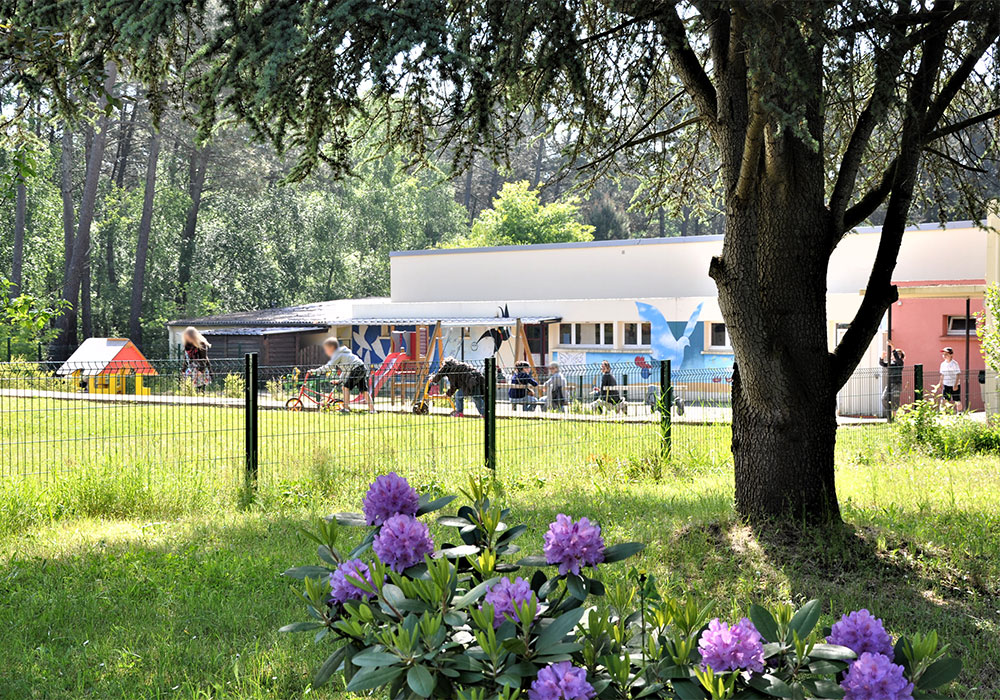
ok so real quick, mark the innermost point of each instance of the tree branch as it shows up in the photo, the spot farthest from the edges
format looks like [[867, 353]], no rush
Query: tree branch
[[686, 63]]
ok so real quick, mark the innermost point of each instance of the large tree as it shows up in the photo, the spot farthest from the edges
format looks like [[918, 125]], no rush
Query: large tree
[[816, 116]]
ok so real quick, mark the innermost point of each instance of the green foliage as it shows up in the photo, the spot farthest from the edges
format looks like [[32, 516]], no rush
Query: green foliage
[[25, 319], [234, 386], [519, 218], [427, 632], [941, 432], [988, 328]]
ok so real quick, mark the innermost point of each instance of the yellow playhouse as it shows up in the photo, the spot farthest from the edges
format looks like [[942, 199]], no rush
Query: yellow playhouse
[[108, 365]]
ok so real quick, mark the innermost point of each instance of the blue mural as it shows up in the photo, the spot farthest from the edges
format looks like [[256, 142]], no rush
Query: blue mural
[[373, 349], [667, 346]]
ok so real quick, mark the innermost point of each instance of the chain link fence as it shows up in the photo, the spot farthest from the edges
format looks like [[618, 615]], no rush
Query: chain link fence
[[231, 423]]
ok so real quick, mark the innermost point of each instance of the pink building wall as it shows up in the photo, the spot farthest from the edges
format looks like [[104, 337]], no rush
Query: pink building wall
[[920, 329]]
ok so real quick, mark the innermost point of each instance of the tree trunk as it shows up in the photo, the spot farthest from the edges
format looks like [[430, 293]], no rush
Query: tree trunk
[[86, 303], [118, 169], [81, 242], [68, 220], [142, 246], [20, 212], [538, 163], [196, 185]]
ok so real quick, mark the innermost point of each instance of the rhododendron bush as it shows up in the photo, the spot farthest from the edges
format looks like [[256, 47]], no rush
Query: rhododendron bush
[[473, 619]]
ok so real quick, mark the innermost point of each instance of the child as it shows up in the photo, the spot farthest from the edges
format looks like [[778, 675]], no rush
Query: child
[[607, 392], [463, 380], [197, 367], [951, 378], [555, 387], [351, 372], [520, 392]]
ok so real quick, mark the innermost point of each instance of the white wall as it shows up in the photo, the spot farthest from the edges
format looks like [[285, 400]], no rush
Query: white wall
[[661, 268]]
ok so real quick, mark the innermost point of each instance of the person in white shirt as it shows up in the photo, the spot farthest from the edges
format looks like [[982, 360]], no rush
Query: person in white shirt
[[351, 372], [951, 378]]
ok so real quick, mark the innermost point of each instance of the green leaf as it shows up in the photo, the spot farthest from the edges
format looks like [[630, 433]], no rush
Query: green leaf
[[618, 552], [685, 690], [351, 519], [374, 657], [765, 623], [771, 685], [301, 627], [301, 572], [832, 652], [431, 506], [420, 681], [512, 534], [558, 629], [329, 666], [475, 594], [463, 550], [805, 619], [393, 595], [453, 521], [533, 560], [940, 672], [574, 584], [369, 678]]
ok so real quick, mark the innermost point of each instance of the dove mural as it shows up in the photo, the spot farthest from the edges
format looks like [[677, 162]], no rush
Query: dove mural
[[664, 344]]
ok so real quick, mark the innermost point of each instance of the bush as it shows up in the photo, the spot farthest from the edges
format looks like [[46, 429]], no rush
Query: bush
[[411, 621], [941, 432], [234, 386]]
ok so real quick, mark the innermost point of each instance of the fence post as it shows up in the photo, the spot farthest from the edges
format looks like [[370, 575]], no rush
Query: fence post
[[666, 401], [918, 382], [490, 418], [39, 352], [250, 376]]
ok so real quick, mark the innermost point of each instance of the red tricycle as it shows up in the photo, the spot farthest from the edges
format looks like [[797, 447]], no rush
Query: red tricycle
[[311, 393]]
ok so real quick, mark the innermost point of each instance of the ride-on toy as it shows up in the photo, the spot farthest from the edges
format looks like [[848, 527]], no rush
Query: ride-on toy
[[324, 400]]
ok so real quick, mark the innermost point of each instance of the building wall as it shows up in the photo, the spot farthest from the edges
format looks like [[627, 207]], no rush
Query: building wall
[[657, 267], [919, 328]]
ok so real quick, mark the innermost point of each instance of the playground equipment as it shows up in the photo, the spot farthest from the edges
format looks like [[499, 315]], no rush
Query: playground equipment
[[307, 393], [109, 366]]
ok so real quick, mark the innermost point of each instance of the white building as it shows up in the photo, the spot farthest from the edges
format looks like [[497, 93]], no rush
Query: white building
[[628, 301]]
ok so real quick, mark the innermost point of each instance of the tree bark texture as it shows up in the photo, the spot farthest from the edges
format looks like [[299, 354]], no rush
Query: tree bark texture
[[142, 245], [81, 243], [196, 186]]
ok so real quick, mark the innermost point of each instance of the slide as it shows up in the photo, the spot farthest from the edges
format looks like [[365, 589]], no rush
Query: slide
[[389, 367]]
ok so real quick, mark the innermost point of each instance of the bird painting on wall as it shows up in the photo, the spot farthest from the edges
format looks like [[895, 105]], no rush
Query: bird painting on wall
[[498, 335], [665, 345]]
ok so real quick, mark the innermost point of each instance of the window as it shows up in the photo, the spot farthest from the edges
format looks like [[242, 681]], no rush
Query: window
[[586, 334], [956, 325], [565, 334], [718, 338], [637, 334]]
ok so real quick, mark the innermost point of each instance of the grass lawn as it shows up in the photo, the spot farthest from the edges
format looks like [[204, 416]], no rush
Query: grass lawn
[[129, 580]]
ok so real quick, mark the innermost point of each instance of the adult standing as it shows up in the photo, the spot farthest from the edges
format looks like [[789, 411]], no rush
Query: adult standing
[[951, 378], [197, 367], [463, 380], [893, 361]]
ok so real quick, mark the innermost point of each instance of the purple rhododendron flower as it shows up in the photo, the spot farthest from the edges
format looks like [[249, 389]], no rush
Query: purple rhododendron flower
[[504, 595], [875, 677], [343, 588], [725, 648], [561, 681], [861, 632], [402, 542], [573, 545], [389, 495]]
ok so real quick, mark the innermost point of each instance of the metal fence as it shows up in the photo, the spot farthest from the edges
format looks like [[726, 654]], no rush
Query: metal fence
[[234, 423]]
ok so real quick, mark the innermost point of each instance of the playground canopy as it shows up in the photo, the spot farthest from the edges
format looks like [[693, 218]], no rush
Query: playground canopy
[[98, 356]]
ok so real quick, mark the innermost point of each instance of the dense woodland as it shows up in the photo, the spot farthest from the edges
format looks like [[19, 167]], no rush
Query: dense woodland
[[159, 223]]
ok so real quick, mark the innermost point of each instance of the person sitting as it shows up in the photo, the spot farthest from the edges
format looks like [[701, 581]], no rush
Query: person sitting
[[606, 392], [521, 392], [351, 372], [555, 388], [463, 380]]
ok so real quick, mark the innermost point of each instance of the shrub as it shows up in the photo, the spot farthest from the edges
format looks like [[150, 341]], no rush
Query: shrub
[[464, 623], [941, 432], [234, 386]]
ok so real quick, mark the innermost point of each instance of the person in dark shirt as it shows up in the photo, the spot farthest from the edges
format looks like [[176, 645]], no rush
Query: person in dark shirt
[[606, 391], [197, 366], [521, 392], [893, 361], [463, 380]]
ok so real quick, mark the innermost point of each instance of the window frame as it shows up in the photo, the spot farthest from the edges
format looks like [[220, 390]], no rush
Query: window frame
[[710, 345], [643, 332], [601, 330], [949, 319]]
